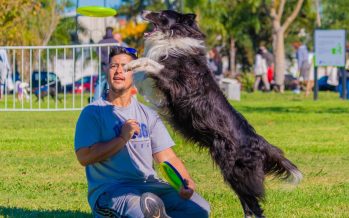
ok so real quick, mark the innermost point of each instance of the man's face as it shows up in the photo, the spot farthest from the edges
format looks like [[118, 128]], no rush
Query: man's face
[[119, 81]]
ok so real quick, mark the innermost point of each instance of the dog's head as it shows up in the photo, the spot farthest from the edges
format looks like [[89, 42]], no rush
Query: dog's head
[[173, 24]]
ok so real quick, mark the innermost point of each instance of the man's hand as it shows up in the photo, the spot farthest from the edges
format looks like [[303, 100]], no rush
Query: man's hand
[[129, 128], [103, 150], [186, 193], [169, 155]]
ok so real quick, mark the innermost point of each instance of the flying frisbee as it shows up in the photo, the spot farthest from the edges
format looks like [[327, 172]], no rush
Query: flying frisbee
[[172, 176], [96, 11]]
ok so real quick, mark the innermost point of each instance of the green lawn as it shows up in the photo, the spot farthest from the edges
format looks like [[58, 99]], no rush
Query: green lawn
[[40, 177], [76, 100]]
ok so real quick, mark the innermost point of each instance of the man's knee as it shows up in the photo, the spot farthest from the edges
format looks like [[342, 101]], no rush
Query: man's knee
[[199, 207], [111, 204], [201, 210]]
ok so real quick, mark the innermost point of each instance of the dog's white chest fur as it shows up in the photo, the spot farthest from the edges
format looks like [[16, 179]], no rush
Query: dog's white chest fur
[[159, 45]]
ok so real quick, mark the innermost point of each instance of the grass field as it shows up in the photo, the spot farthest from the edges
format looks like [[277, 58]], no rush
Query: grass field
[[10, 102], [40, 177]]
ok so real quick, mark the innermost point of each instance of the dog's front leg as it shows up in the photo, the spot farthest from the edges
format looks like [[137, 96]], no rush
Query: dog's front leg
[[152, 69], [144, 64]]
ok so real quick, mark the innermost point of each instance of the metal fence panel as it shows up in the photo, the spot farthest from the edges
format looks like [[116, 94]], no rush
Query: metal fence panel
[[49, 78]]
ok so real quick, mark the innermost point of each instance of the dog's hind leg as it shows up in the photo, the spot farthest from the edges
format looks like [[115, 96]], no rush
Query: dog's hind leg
[[249, 189], [248, 213], [250, 204], [236, 177]]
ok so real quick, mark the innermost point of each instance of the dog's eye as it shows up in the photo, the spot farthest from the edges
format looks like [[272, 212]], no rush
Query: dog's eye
[[163, 20]]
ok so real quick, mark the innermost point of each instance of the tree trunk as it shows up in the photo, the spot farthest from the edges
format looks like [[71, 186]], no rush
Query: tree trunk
[[55, 17], [232, 59], [279, 54], [279, 35]]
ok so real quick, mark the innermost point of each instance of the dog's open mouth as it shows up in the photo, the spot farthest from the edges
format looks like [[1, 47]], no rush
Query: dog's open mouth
[[148, 16], [155, 29]]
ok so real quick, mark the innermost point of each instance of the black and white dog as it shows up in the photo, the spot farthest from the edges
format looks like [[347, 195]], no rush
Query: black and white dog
[[196, 107]]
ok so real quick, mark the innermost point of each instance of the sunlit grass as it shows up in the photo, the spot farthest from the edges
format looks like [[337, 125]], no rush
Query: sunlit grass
[[40, 177], [60, 102]]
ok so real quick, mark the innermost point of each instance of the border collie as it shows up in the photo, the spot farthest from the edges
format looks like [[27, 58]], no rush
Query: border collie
[[196, 107]]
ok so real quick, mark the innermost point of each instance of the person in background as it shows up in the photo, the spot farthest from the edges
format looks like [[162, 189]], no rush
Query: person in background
[[102, 84], [215, 64], [260, 71], [5, 70], [310, 82], [269, 57], [302, 56], [3, 75], [118, 37]]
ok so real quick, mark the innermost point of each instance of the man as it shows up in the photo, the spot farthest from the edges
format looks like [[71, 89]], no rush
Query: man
[[215, 64], [118, 37], [270, 63], [5, 70], [260, 71], [302, 56], [101, 85], [117, 139]]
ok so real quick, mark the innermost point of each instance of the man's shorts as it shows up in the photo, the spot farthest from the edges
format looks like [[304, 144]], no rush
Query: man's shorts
[[124, 201]]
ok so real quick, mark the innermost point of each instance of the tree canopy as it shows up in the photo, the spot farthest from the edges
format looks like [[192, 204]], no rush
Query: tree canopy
[[29, 22]]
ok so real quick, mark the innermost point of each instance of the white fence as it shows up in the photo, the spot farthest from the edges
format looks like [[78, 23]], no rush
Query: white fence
[[49, 78]]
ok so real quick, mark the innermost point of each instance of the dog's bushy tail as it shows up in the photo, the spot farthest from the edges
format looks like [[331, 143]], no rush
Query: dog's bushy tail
[[280, 166]]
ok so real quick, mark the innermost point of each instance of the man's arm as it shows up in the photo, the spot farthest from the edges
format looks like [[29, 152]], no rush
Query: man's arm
[[103, 150], [99, 151], [169, 156]]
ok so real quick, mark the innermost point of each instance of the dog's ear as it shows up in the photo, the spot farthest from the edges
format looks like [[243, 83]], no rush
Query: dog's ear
[[189, 18]]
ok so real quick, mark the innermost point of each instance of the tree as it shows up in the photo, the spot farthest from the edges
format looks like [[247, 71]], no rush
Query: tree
[[132, 8], [335, 16], [280, 23], [133, 30], [65, 32], [247, 25], [29, 22], [240, 25], [174, 5], [43, 24], [13, 27]]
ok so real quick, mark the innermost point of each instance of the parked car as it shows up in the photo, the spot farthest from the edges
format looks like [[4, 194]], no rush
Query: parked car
[[43, 79], [84, 84]]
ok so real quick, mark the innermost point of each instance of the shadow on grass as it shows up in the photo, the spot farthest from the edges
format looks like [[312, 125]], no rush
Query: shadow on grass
[[295, 109], [11, 212]]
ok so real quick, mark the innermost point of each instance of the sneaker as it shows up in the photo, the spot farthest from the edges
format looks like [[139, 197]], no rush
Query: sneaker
[[152, 206], [297, 91]]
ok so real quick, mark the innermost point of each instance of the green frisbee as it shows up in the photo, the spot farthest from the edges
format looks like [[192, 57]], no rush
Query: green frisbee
[[172, 176], [96, 11]]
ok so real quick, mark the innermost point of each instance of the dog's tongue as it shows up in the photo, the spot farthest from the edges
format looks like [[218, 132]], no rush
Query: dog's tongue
[[155, 28]]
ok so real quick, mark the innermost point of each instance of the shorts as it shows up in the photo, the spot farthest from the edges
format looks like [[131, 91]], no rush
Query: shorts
[[124, 201]]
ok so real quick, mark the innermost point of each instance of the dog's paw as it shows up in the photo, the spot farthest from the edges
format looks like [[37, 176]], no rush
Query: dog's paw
[[135, 64], [144, 64]]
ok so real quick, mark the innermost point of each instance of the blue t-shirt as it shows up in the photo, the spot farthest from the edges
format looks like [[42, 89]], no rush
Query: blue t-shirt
[[101, 121]]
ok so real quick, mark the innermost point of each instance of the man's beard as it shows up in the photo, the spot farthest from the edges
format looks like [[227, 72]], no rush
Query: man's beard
[[119, 90]]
